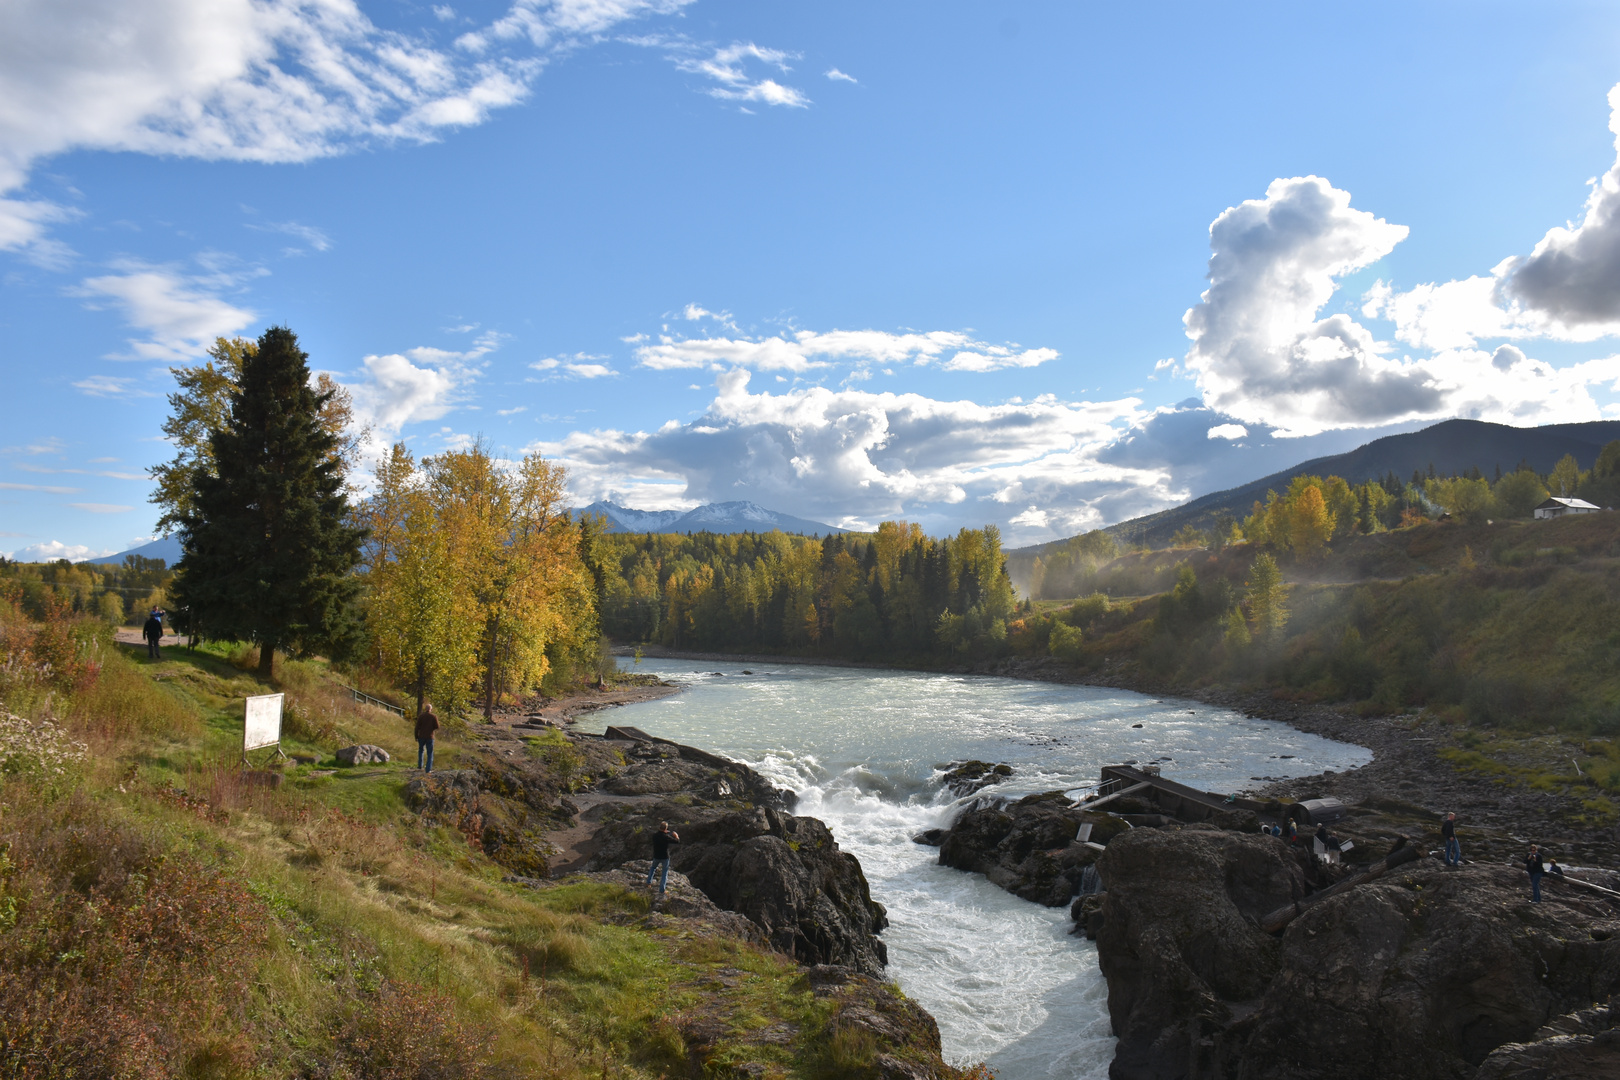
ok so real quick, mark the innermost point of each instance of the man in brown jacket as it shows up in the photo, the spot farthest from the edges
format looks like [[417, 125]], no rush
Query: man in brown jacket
[[427, 722]]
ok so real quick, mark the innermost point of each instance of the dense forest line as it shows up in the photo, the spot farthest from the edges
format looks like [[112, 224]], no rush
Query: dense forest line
[[892, 593]]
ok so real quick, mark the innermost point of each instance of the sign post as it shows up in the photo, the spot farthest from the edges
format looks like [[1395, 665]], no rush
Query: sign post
[[262, 724]]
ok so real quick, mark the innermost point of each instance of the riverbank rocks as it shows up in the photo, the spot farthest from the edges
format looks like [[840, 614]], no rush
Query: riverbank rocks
[[1422, 973], [967, 777], [783, 872], [1029, 846], [1583, 1045]]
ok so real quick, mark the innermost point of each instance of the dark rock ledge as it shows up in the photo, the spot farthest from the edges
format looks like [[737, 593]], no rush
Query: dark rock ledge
[[1423, 973]]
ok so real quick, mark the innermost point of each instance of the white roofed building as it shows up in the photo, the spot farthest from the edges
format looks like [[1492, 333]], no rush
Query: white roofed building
[[1557, 507]]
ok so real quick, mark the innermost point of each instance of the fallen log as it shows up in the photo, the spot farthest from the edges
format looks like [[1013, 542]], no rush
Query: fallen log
[[1289, 912], [1132, 790], [1567, 880]]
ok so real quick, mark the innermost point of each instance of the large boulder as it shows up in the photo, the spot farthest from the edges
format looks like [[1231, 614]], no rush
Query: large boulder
[[785, 873], [1421, 973], [1178, 941], [964, 778], [1027, 847], [364, 754]]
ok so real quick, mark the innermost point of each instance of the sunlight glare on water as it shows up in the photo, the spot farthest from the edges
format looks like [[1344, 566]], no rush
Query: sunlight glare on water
[[863, 748]]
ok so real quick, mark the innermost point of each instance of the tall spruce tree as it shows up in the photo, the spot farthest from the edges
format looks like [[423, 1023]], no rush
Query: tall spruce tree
[[269, 549]]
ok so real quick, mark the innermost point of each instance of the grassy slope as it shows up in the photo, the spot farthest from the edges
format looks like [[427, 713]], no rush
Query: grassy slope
[[320, 928], [1508, 633]]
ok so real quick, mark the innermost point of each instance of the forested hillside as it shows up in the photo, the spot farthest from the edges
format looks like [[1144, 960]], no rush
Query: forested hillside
[[894, 593]]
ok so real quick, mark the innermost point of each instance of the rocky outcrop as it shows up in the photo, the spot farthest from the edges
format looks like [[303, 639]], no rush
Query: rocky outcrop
[[495, 807], [897, 1037], [1421, 973], [964, 778], [1583, 1045], [785, 873], [660, 767], [1027, 847]]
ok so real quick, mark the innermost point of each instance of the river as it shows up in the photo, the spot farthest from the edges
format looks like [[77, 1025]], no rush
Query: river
[[863, 749]]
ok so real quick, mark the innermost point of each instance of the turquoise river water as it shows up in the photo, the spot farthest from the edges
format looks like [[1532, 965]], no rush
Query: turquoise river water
[[863, 749]]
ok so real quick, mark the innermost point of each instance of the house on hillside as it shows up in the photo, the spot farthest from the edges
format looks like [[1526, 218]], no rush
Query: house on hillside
[[1556, 507]]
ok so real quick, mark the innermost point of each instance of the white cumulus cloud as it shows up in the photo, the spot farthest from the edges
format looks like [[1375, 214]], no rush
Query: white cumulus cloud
[[1261, 354], [1567, 288], [848, 455], [729, 67], [182, 313], [804, 350], [253, 80], [395, 389]]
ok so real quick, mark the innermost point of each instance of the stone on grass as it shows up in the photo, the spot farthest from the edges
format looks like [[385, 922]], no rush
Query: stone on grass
[[364, 754]]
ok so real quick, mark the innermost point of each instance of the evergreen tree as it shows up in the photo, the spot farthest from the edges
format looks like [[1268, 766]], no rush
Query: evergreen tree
[[269, 550], [1268, 599]]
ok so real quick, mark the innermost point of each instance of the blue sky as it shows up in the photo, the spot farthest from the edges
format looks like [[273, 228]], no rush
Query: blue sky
[[851, 261]]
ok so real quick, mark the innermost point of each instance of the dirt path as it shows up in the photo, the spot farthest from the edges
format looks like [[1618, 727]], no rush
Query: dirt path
[[131, 635]]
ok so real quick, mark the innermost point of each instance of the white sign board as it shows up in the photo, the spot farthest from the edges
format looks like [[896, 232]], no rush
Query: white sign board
[[263, 721]]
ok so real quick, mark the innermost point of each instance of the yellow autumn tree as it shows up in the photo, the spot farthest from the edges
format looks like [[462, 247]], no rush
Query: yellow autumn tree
[[1310, 524], [518, 557], [424, 626]]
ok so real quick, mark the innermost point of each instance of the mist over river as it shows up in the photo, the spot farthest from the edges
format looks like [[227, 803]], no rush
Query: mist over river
[[863, 749]]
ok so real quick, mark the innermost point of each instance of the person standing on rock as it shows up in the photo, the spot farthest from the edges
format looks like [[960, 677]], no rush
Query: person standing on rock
[[1448, 833], [1533, 867], [427, 722], [664, 837]]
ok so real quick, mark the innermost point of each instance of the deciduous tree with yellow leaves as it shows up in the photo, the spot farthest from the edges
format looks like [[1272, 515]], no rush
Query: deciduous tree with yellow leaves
[[476, 574]]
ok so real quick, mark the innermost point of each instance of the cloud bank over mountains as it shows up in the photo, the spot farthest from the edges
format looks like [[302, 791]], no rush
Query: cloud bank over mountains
[[1285, 365], [1280, 378], [855, 457]]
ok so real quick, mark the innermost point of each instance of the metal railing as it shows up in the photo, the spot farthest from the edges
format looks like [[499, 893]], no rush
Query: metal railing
[[378, 702]]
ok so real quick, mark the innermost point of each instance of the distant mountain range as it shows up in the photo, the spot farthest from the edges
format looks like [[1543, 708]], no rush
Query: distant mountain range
[[726, 517], [166, 548], [1452, 446]]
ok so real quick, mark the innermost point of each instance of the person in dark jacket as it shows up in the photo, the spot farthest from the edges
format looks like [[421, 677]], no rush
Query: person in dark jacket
[[152, 631], [1533, 867], [1448, 833], [664, 837], [427, 722]]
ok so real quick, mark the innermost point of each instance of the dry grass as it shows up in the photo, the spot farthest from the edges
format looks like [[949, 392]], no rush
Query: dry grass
[[183, 917]]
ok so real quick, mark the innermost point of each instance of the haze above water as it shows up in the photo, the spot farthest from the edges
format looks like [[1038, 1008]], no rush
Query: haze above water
[[863, 750]]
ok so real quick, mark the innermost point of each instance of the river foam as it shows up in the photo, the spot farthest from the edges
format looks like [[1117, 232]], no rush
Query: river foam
[[863, 748]]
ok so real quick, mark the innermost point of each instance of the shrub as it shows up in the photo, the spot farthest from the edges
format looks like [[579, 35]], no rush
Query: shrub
[[409, 1033], [122, 701], [1087, 609], [38, 749], [1066, 642], [122, 959]]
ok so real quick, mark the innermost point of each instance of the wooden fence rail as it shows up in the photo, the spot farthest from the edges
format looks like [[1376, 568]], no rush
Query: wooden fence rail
[[378, 702]]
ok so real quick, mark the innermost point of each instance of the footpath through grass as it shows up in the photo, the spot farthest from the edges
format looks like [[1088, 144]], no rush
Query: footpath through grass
[[166, 913]]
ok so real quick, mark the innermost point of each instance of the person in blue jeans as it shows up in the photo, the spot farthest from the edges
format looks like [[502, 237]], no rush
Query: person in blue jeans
[[1533, 867], [1448, 833], [427, 722], [664, 837]]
